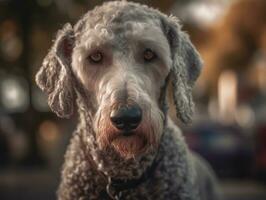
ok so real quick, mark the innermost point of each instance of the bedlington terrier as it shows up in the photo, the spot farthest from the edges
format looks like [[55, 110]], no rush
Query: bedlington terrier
[[113, 68]]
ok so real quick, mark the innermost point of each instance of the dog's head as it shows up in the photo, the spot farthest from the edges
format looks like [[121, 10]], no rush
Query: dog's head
[[122, 54]]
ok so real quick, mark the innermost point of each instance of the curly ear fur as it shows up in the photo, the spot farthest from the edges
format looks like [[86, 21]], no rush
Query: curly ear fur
[[185, 68], [54, 76]]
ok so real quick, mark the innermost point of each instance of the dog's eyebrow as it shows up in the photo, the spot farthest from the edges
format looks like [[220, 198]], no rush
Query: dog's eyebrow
[[91, 45], [154, 44]]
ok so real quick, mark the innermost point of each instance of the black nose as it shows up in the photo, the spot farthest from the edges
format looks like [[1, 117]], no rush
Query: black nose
[[126, 118]]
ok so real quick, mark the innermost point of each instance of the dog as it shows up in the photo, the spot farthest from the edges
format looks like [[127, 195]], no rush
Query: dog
[[113, 68]]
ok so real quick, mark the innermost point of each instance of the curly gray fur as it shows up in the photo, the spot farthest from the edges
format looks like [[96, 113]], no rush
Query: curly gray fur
[[54, 76], [71, 84]]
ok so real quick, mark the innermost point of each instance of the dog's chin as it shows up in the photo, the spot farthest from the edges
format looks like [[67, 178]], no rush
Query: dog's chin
[[129, 146]]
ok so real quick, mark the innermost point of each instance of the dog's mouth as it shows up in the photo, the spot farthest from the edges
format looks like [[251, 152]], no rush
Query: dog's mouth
[[129, 144], [127, 133]]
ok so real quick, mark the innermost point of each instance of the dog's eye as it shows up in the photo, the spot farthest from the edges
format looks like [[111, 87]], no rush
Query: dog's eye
[[149, 55], [96, 57]]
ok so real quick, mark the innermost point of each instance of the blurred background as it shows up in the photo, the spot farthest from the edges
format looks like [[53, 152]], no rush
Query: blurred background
[[229, 127]]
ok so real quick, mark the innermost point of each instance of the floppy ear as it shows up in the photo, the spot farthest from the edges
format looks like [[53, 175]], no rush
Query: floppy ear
[[55, 77], [185, 69]]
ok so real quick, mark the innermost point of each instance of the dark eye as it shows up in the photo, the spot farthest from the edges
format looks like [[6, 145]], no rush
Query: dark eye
[[149, 55], [96, 57]]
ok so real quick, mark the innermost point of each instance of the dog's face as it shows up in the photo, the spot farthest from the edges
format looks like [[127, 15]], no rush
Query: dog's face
[[122, 59], [124, 68]]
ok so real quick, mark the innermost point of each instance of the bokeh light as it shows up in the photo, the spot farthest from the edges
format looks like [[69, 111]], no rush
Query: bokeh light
[[14, 94]]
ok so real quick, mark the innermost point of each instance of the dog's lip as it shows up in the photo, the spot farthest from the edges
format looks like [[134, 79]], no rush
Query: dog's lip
[[127, 133], [128, 136], [124, 138]]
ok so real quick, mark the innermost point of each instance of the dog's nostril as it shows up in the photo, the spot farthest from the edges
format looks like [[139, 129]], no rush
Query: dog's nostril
[[126, 117]]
